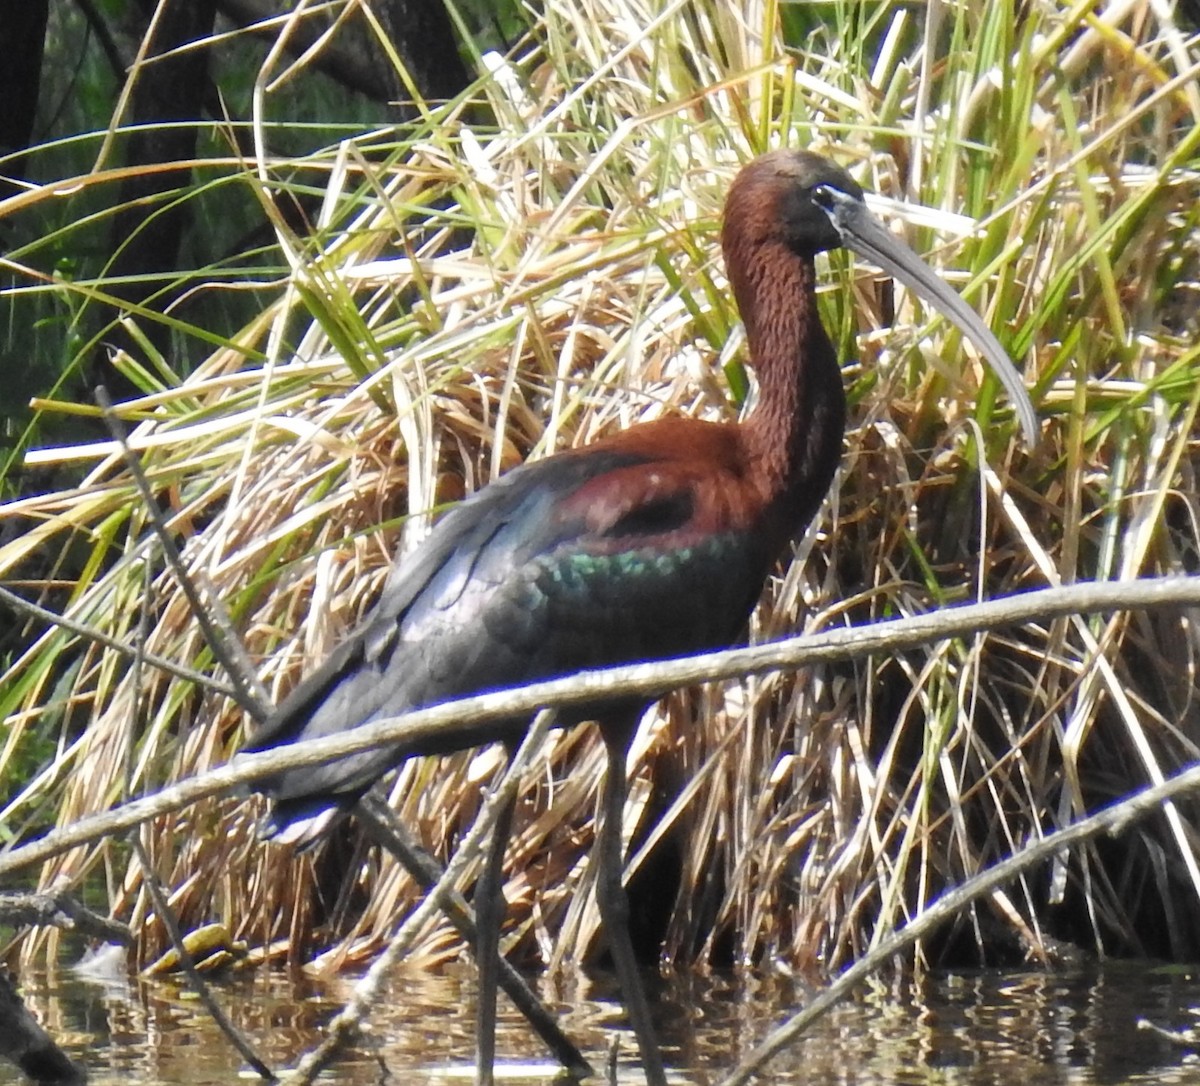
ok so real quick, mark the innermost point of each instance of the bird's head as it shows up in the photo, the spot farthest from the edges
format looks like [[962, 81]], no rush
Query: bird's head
[[798, 203], [789, 197]]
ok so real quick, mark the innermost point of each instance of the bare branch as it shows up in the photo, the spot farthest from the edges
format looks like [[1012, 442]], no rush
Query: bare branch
[[366, 992], [249, 692], [57, 908], [385, 827], [441, 721], [1110, 821], [128, 651], [29, 1046]]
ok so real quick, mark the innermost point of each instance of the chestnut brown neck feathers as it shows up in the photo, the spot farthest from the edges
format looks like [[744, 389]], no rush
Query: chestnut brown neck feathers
[[794, 433]]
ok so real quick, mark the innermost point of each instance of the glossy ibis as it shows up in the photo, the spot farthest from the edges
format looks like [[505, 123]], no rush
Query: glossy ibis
[[650, 544]]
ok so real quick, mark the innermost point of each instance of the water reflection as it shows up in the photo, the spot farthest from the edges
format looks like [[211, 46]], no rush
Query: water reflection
[[1009, 1029]]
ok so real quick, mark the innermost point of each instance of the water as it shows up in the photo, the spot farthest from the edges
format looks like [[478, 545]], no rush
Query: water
[[1003, 1028]]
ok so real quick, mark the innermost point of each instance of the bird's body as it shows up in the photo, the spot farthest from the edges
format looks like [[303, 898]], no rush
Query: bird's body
[[650, 544], [629, 552]]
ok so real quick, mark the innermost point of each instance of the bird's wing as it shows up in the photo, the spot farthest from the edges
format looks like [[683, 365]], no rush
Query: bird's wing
[[475, 545], [573, 562]]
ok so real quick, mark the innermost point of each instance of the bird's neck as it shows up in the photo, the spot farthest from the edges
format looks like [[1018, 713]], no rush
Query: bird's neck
[[794, 435]]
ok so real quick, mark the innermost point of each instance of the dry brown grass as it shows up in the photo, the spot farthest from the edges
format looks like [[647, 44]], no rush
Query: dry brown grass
[[477, 298]]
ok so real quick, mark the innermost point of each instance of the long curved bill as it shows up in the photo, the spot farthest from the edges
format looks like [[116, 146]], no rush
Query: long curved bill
[[866, 235]]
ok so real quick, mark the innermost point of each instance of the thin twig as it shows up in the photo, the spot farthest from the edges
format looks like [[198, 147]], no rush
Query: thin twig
[[248, 691], [166, 913], [188, 964], [1186, 1038], [128, 651], [345, 1026], [236, 648], [649, 680]]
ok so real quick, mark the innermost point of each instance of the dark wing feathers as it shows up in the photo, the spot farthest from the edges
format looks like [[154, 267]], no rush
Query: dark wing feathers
[[482, 539], [577, 561]]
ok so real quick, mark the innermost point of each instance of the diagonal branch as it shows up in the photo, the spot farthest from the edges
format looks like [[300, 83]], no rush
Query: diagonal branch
[[19, 603], [221, 639], [1111, 821], [443, 721]]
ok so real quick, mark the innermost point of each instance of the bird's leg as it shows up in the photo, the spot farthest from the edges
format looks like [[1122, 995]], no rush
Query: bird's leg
[[614, 905], [391, 834], [489, 915]]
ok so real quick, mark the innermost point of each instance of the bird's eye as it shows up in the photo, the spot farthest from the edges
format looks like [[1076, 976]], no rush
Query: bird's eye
[[824, 196]]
